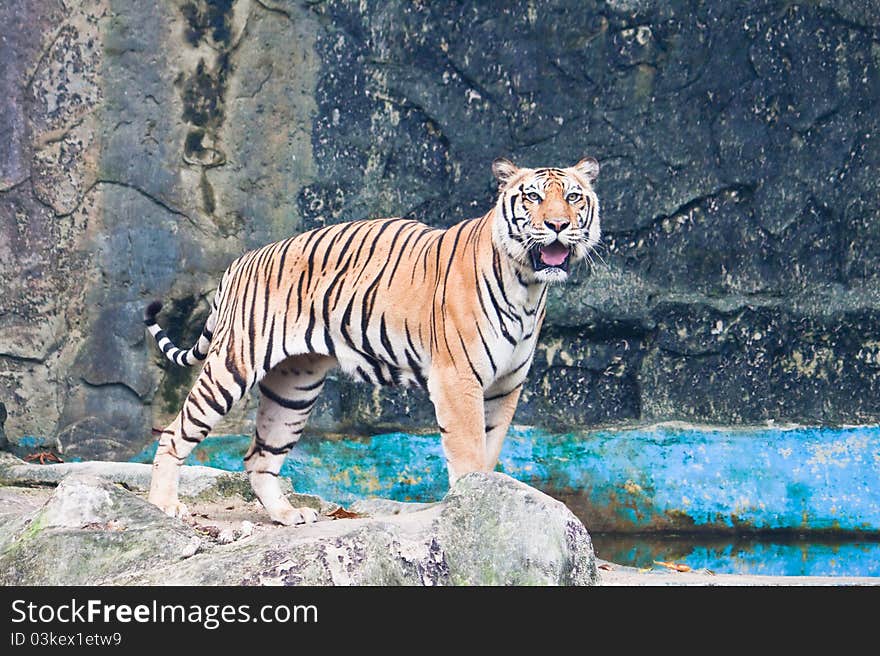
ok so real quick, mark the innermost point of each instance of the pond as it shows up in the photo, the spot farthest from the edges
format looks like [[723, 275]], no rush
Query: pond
[[768, 500]]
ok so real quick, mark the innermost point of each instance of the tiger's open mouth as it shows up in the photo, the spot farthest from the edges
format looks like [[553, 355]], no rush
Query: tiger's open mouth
[[552, 255]]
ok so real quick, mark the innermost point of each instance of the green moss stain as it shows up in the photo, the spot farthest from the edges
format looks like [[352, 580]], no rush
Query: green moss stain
[[203, 90], [202, 93], [229, 486], [207, 190], [207, 19]]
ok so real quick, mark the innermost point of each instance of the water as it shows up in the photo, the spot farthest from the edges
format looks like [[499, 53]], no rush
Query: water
[[800, 501]]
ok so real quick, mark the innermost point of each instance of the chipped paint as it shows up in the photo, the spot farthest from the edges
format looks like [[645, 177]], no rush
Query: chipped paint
[[780, 556], [661, 478]]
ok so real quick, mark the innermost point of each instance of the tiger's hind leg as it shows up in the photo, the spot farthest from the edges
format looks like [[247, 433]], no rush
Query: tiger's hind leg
[[213, 395], [287, 396]]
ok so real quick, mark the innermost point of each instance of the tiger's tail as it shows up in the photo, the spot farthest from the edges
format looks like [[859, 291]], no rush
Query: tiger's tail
[[182, 357]]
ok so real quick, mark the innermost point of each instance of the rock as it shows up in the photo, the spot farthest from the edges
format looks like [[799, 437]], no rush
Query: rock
[[376, 507], [226, 536], [195, 481], [496, 530], [91, 532], [489, 530]]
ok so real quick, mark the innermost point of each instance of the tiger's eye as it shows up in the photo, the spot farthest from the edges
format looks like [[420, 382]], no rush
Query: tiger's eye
[[534, 197], [573, 197]]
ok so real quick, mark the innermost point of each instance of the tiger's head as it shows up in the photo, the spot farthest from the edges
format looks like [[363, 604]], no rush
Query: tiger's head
[[546, 218]]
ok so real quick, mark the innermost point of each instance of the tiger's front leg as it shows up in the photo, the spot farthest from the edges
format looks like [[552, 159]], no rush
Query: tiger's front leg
[[500, 408], [458, 404]]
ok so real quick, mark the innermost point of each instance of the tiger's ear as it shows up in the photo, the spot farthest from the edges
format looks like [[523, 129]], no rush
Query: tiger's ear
[[503, 170], [588, 167]]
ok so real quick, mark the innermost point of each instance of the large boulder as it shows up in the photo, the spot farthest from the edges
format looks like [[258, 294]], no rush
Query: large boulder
[[489, 530], [90, 532]]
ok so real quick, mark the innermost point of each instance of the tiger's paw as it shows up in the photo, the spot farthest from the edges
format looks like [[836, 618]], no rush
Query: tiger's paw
[[172, 508], [293, 516]]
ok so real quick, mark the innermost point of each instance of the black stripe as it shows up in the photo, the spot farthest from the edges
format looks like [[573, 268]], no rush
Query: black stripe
[[499, 277], [519, 366], [383, 337], [276, 450], [265, 305], [480, 299], [310, 328], [346, 322], [299, 294], [336, 236], [325, 312], [375, 240], [281, 258], [236, 377], [323, 232], [340, 287], [287, 313], [488, 350], [417, 372], [523, 282], [309, 388], [417, 255], [501, 396], [498, 313], [360, 226], [212, 403], [290, 404], [468, 358], [363, 374], [449, 261], [409, 339], [199, 423], [399, 257], [267, 359], [328, 341]]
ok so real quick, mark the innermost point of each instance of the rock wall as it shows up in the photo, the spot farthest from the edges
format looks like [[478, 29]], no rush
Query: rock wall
[[148, 144]]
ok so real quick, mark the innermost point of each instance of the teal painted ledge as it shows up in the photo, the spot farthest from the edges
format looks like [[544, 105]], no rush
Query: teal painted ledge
[[660, 478]]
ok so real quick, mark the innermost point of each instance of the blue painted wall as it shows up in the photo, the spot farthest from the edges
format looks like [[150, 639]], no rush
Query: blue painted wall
[[769, 554], [646, 479]]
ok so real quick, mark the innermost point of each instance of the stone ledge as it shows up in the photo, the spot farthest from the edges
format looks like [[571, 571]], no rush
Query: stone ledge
[[489, 530]]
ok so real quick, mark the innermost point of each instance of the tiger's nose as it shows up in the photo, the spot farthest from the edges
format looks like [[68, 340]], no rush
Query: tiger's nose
[[557, 224]]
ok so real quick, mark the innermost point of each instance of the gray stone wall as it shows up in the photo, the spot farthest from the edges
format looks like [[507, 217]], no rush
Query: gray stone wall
[[147, 144]]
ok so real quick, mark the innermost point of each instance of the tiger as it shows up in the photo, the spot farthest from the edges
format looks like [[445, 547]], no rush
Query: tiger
[[454, 311]]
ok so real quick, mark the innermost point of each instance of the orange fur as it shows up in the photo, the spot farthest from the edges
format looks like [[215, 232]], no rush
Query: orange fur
[[391, 301]]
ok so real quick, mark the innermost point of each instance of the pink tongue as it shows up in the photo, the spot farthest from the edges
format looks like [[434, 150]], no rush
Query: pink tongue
[[554, 254]]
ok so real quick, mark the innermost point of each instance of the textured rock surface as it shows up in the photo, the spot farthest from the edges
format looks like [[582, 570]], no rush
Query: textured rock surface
[[90, 532], [150, 143], [194, 481], [489, 530]]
